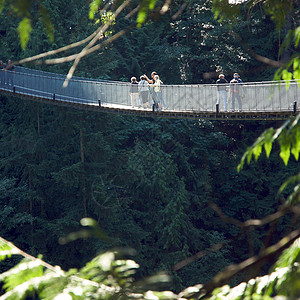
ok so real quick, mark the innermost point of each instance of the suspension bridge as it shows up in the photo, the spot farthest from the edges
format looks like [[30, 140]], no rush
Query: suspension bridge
[[266, 100]]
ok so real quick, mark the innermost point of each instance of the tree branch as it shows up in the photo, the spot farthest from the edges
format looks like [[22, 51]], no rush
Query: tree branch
[[263, 59], [223, 277], [92, 42], [89, 51]]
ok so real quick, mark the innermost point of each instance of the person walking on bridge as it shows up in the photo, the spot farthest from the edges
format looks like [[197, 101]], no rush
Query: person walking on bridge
[[236, 91], [222, 95]]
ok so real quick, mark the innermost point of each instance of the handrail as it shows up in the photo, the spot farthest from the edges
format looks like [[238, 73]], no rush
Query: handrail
[[266, 96]]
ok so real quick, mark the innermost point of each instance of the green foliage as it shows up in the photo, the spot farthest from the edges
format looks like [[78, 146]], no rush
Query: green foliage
[[292, 69], [111, 276], [147, 182], [26, 10], [145, 7], [94, 6], [294, 197], [6, 250], [107, 276], [224, 11], [280, 12], [2, 2], [288, 136], [283, 281]]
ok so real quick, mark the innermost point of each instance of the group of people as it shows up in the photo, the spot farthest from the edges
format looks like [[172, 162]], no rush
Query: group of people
[[6, 78], [146, 89], [236, 91]]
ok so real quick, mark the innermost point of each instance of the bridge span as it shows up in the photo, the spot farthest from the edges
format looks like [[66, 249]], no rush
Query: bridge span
[[260, 100]]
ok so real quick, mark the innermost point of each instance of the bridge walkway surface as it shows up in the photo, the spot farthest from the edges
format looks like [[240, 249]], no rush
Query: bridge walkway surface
[[260, 100]]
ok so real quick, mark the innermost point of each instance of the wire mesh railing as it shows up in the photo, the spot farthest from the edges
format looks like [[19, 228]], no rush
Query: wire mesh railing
[[248, 97]]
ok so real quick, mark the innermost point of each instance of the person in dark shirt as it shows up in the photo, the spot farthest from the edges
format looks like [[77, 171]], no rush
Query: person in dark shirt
[[222, 95]]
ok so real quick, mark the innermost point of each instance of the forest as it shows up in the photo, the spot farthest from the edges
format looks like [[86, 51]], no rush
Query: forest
[[160, 187]]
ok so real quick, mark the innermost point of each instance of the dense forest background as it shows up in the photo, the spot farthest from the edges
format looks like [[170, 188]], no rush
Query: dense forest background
[[148, 182]]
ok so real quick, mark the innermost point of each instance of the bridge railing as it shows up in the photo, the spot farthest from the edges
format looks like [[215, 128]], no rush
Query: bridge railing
[[261, 96]]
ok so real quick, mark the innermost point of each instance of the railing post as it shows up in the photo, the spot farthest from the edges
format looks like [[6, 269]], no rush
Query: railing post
[[53, 97], [295, 107], [217, 108], [99, 102], [14, 89]]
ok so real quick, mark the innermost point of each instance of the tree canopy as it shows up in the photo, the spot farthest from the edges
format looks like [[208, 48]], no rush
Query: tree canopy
[[169, 189]]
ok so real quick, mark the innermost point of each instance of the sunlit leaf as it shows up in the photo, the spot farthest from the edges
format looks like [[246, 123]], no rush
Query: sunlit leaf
[[22, 272], [24, 30], [145, 7], [296, 69], [141, 17], [285, 147], [257, 151], [287, 77], [94, 6], [269, 141], [6, 249], [297, 36], [152, 4]]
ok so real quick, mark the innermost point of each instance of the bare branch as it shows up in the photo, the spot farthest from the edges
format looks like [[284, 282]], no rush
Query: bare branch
[[202, 253], [91, 50], [232, 270], [180, 10], [256, 222], [224, 217], [92, 42], [134, 11], [54, 269], [243, 225], [165, 7], [263, 59], [62, 49]]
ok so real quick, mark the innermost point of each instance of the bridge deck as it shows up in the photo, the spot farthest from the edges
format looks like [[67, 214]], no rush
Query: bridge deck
[[258, 101], [128, 110]]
